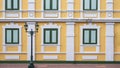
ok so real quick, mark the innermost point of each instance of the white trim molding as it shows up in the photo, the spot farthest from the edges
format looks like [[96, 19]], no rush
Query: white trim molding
[[31, 25], [90, 26], [89, 57], [12, 57], [50, 26], [109, 7], [70, 41], [90, 13], [51, 13], [12, 13], [12, 25], [31, 6], [50, 57], [70, 8], [109, 41]]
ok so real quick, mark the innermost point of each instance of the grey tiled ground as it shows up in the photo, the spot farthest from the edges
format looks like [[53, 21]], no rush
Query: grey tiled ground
[[61, 65]]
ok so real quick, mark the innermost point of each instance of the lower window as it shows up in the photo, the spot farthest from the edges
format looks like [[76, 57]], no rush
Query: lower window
[[89, 36], [11, 36], [50, 36]]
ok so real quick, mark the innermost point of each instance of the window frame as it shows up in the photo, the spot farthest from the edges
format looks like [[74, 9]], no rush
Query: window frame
[[51, 5], [11, 35], [90, 5], [12, 5], [50, 36], [90, 36]]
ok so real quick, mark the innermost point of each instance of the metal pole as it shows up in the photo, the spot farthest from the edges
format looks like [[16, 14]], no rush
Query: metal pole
[[31, 61]]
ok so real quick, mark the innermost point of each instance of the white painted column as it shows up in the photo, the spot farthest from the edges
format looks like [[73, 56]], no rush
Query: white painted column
[[31, 25], [31, 8], [70, 8], [109, 41], [109, 7], [70, 41]]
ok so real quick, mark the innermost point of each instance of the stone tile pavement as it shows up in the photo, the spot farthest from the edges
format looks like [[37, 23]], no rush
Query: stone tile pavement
[[61, 65]]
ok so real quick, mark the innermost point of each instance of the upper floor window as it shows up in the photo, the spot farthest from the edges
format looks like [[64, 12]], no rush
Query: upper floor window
[[89, 36], [50, 36], [12, 4], [12, 36], [90, 4], [50, 4]]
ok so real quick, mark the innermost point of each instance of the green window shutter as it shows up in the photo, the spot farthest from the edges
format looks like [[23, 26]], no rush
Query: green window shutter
[[90, 4], [93, 4], [8, 36], [46, 36], [47, 4], [50, 36], [15, 36], [86, 4], [94, 36], [11, 36], [50, 4], [89, 36], [54, 4], [86, 36], [12, 4]]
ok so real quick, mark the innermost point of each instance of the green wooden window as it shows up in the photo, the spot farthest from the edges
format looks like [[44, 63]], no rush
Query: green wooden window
[[90, 4], [89, 36], [50, 36], [50, 4], [11, 36], [12, 4]]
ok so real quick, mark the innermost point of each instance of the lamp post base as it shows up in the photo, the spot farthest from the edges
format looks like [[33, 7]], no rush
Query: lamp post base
[[31, 65]]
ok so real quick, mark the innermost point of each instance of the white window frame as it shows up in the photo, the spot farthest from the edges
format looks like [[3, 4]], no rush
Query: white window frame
[[55, 14], [50, 26], [89, 26], [12, 25]]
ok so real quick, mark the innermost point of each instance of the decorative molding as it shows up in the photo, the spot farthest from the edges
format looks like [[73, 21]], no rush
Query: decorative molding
[[50, 57], [52, 13], [90, 26], [31, 6], [109, 6], [70, 41], [50, 26], [70, 6], [12, 25], [89, 57], [90, 14], [12, 57], [31, 25], [109, 41], [14, 13]]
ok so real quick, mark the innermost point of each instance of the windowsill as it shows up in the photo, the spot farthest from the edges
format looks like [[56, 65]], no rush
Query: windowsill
[[89, 44], [12, 44], [50, 45]]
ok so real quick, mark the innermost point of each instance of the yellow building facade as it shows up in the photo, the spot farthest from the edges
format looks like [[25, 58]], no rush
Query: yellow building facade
[[69, 30]]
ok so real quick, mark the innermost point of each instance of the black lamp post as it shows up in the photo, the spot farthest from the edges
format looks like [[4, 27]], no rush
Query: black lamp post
[[31, 65]]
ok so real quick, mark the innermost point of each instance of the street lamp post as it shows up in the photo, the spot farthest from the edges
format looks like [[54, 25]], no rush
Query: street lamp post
[[31, 65]]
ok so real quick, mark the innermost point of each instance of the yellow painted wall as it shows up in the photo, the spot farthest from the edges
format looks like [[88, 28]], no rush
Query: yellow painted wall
[[115, 7], [78, 34], [102, 40], [100, 57], [14, 48], [61, 57], [117, 37], [103, 7], [117, 57]]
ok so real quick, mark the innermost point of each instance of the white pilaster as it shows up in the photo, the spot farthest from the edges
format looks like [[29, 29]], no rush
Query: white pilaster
[[70, 8], [70, 41], [31, 25], [109, 7], [109, 41], [31, 8]]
